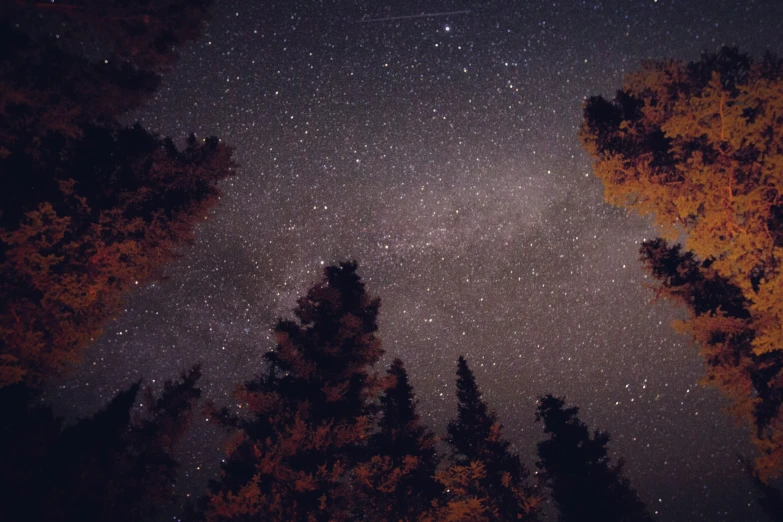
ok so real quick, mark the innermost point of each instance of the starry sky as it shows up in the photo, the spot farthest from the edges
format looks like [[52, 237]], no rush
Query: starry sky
[[441, 152]]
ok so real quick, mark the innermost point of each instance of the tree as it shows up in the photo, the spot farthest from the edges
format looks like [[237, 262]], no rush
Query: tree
[[110, 211], [110, 466], [141, 33], [575, 466], [770, 499], [50, 85], [27, 429], [721, 322], [89, 208], [307, 420], [697, 147], [486, 481], [398, 482], [49, 93]]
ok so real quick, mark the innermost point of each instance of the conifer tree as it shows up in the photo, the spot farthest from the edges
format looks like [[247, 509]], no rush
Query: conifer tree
[[584, 484], [307, 420], [720, 321], [697, 147], [111, 466], [398, 482], [487, 481]]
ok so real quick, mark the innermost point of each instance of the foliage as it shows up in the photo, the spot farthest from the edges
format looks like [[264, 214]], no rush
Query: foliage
[[699, 147], [308, 419], [309, 444], [74, 62], [484, 471], [89, 208], [105, 215], [575, 466], [110, 466], [466, 500], [398, 483], [769, 498], [46, 92], [141, 33], [318, 436]]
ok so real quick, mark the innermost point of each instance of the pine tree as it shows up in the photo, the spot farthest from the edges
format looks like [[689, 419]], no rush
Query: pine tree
[[307, 421], [486, 481], [111, 466], [584, 484], [695, 146], [398, 482]]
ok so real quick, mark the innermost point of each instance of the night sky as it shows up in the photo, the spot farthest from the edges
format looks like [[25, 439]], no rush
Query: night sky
[[442, 154]]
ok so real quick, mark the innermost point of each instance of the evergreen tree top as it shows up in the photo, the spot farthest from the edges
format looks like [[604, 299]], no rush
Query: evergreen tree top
[[585, 485]]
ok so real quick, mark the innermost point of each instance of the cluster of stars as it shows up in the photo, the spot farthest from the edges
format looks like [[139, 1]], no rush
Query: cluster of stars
[[442, 154]]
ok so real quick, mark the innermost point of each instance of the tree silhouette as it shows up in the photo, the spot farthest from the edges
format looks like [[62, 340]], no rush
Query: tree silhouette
[[695, 146], [49, 94], [575, 466], [769, 498], [398, 482], [486, 481], [721, 322], [307, 421], [78, 236], [51, 86], [111, 466], [27, 429], [89, 208], [141, 33]]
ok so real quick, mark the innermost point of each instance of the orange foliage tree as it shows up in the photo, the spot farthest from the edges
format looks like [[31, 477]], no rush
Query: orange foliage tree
[[699, 147], [308, 443], [307, 421], [485, 481], [89, 208], [398, 482]]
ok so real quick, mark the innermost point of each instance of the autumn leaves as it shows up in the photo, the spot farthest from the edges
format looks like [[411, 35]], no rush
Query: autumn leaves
[[89, 207], [321, 436], [699, 147]]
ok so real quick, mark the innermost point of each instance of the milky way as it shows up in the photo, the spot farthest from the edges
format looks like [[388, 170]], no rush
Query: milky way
[[442, 154]]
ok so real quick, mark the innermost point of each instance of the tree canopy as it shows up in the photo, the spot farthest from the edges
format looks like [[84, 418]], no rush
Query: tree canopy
[[89, 207], [320, 436], [306, 421], [488, 480], [699, 146], [114, 465]]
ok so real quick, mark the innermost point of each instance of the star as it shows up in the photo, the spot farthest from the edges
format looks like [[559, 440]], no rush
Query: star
[[428, 164]]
